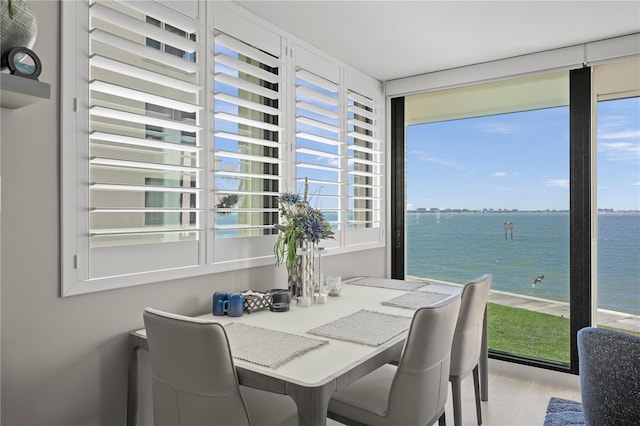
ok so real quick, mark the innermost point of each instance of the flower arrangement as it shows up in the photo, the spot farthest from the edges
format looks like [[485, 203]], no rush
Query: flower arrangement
[[302, 223]]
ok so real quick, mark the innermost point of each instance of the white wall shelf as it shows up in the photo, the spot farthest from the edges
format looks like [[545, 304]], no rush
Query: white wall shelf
[[18, 92]]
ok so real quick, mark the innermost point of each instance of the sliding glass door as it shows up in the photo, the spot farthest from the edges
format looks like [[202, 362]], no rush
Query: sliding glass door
[[487, 189], [534, 180]]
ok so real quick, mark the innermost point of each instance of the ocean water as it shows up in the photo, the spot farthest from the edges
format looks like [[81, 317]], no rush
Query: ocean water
[[458, 247]]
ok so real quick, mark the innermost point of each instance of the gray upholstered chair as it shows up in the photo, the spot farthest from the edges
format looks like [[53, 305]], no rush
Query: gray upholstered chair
[[467, 343], [194, 379], [609, 377], [414, 392]]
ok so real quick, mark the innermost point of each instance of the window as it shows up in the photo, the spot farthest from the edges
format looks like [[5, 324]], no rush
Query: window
[[616, 252], [247, 139], [174, 155], [488, 192], [365, 169]]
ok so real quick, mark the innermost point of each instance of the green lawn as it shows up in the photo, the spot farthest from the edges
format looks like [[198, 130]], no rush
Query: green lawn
[[529, 333]]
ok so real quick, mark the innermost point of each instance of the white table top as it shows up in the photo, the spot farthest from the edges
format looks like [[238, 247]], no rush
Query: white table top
[[319, 366]]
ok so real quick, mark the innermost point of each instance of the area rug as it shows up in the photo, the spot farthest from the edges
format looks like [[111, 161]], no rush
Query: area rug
[[564, 412]]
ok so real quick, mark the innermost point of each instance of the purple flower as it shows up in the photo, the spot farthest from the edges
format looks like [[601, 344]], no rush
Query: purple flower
[[290, 198], [313, 228]]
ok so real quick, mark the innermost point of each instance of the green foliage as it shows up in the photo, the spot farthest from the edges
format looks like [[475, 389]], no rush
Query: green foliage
[[11, 9]]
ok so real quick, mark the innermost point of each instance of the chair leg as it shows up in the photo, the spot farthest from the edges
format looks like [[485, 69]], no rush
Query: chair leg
[[476, 385], [457, 400], [442, 421]]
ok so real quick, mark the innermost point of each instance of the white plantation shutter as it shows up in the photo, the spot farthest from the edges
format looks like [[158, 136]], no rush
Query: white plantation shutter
[[182, 122], [319, 143], [247, 140], [145, 150], [365, 169]]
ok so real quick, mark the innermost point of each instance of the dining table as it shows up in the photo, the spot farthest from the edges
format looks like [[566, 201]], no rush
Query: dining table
[[310, 352]]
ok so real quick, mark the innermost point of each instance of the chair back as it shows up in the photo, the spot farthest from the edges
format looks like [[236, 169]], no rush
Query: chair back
[[467, 340], [419, 389], [194, 379], [609, 376]]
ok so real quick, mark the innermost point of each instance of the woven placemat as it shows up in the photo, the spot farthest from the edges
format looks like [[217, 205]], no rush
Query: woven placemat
[[266, 347], [389, 283], [365, 327], [416, 299]]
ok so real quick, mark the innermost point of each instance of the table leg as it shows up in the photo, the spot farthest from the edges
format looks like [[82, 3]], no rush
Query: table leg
[[312, 403], [132, 384], [484, 361]]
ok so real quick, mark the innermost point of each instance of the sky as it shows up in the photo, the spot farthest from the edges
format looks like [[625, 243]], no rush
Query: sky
[[521, 160]]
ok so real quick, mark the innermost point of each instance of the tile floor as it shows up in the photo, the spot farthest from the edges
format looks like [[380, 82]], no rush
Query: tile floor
[[515, 399]]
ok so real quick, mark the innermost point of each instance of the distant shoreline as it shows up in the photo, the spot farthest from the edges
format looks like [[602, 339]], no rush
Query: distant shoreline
[[600, 211]]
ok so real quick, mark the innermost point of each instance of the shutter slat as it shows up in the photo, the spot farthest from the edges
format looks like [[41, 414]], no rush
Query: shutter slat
[[240, 156], [129, 164], [139, 142], [317, 110], [162, 13], [142, 188], [246, 67], [242, 48], [100, 111], [361, 99], [247, 104], [231, 173], [241, 138], [316, 80], [318, 124], [143, 210], [317, 153], [317, 167], [241, 120], [141, 231], [363, 137], [363, 161], [142, 74], [314, 94], [316, 138], [248, 86], [363, 149], [130, 23], [143, 51], [364, 174], [137, 95], [363, 112], [362, 125]]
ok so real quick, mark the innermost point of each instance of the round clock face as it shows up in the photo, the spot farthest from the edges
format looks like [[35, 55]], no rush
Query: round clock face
[[23, 62]]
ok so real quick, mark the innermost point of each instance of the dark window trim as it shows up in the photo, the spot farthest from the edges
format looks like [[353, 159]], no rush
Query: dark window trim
[[397, 188], [580, 205], [580, 212]]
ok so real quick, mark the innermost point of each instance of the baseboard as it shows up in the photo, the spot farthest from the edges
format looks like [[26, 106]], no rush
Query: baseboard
[[534, 373]]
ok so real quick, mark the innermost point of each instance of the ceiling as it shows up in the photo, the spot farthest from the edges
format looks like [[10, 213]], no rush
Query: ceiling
[[394, 39]]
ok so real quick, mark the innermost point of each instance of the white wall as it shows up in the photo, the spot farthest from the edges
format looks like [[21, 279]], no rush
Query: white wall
[[64, 361]]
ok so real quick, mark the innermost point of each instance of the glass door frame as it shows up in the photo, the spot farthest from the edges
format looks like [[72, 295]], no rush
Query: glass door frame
[[580, 258]]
